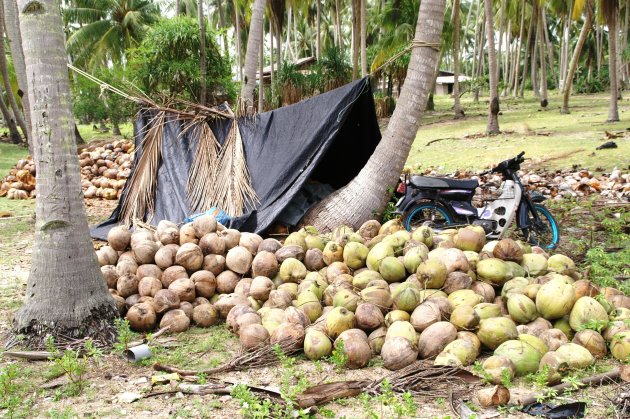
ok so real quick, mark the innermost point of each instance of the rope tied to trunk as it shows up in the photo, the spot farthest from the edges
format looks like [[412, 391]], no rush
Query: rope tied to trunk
[[416, 43]]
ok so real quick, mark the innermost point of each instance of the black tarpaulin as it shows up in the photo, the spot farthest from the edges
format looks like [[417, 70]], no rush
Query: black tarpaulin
[[327, 138]]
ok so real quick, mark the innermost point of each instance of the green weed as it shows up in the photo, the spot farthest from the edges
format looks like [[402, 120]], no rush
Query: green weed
[[338, 357]]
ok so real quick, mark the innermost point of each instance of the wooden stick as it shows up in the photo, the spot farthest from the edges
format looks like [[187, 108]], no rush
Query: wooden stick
[[593, 381], [32, 355]]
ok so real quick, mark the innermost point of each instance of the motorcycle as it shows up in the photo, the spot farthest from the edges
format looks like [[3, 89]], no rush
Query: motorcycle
[[442, 203]]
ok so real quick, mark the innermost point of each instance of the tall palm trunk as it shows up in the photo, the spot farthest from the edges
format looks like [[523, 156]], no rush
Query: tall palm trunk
[[611, 14], [493, 110], [457, 106], [251, 54], [354, 203], [239, 54], [203, 89], [534, 61], [261, 79], [548, 44], [65, 293], [355, 38], [7, 82], [517, 63], [226, 47], [9, 121], [364, 69], [543, 66], [318, 45], [568, 83], [339, 38]]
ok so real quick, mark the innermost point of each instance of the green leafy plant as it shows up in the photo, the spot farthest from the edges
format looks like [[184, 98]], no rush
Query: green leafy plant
[[398, 406], [477, 369], [10, 397], [338, 357], [124, 335]]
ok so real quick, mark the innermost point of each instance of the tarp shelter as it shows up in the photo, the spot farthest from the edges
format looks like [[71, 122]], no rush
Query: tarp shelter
[[327, 138]]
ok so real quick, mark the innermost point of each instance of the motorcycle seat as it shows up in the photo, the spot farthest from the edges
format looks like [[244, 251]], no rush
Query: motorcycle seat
[[443, 183]]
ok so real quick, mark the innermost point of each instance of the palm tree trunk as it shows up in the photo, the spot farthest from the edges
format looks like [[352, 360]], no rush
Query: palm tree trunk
[[7, 82], [364, 68], [354, 203], [251, 54], [613, 36], [501, 33], [543, 65], [339, 38], [600, 47], [203, 89], [318, 47], [493, 110], [464, 47], [14, 134], [624, 43], [226, 46], [177, 6], [239, 54], [457, 106], [355, 39], [530, 34], [261, 78], [506, 61], [568, 83], [548, 44], [65, 293], [534, 66]]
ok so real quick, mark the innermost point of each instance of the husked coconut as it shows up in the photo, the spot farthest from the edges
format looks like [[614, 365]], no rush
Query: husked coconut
[[165, 300], [204, 224], [250, 241], [253, 336], [214, 264], [205, 283], [205, 315], [165, 256], [110, 275], [269, 245], [239, 259], [264, 264], [119, 238], [107, 256], [187, 234], [127, 285], [148, 286], [226, 282], [287, 252], [141, 317], [369, 317], [173, 273], [212, 244], [144, 251], [226, 302], [231, 237], [184, 288]]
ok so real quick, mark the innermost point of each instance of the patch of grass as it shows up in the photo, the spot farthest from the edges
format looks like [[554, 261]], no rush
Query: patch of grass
[[88, 133], [9, 155], [522, 121], [15, 386], [388, 404]]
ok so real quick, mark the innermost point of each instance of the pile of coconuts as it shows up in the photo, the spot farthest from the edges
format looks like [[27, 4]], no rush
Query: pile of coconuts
[[447, 296], [104, 172]]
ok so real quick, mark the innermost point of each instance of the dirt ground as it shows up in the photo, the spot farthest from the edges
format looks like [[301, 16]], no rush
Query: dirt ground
[[110, 378]]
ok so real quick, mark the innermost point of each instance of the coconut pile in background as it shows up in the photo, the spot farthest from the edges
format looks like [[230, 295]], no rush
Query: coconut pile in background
[[104, 171], [379, 291]]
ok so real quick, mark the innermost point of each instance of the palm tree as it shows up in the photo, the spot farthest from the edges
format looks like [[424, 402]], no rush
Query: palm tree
[[610, 10], [457, 107], [251, 54], [107, 28], [543, 67], [568, 83], [363, 19], [66, 295], [354, 203], [493, 111], [202, 53]]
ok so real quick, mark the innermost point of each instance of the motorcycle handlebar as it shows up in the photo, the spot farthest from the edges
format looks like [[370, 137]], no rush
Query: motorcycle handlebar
[[505, 164]]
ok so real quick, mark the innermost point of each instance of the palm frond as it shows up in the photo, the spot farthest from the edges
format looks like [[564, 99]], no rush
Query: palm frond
[[140, 199], [201, 178]]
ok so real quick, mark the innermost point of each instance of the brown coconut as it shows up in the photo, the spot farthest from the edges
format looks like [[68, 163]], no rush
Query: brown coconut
[[289, 332], [141, 317], [187, 308], [141, 235], [132, 300], [425, 315], [144, 251], [165, 300], [369, 317], [163, 225], [456, 281], [169, 235], [204, 224], [110, 275], [261, 287], [214, 264], [253, 336], [184, 288], [212, 244], [264, 264], [119, 238], [149, 270], [585, 288], [187, 234], [269, 245], [121, 305], [226, 282], [176, 320], [484, 289], [592, 341], [246, 319], [242, 286], [250, 241], [239, 260], [173, 273], [314, 259], [235, 313], [190, 257], [508, 249], [127, 285], [126, 266], [287, 252], [538, 326], [356, 347], [231, 237], [165, 256], [148, 286], [553, 338], [226, 302], [297, 316], [205, 315], [398, 352], [279, 299], [205, 283], [107, 256], [435, 338]]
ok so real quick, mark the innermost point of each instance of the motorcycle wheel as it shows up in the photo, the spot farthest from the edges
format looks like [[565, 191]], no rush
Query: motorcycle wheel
[[545, 233], [427, 213]]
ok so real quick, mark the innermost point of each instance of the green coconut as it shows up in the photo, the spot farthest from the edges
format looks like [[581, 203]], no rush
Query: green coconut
[[346, 298], [332, 253], [392, 269], [575, 355], [292, 270], [534, 341], [310, 304], [515, 269], [555, 299], [391, 226], [376, 255], [296, 239], [464, 317], [621, 313], [407, 299], [396, 316], [620, 346], [561, 264], [465, 297], [313, 241], [584, 310], [524, 356], [355, 254], [414, 257], [534, 264], [423, 234], [514, 286], [363, 278], [425, 294], [470, 238], [338, 320], [465, 351], [493, 270], [316, 345], [496, 330], [487, 310], [447, 359], [403, 329], [521, 308], [563, 325], [431, 273]]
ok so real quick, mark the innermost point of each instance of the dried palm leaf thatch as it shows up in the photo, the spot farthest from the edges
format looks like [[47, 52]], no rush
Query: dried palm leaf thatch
[[233, 190], [202, 173], [143, 183]]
